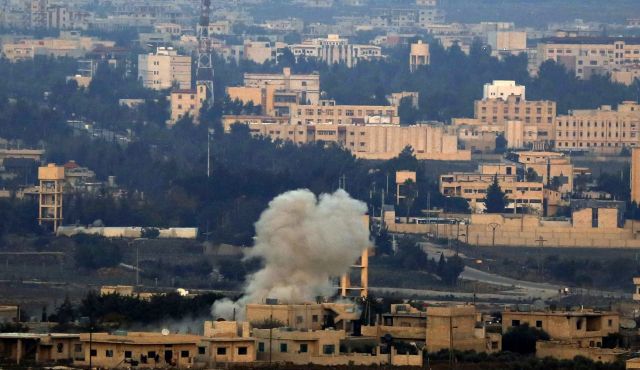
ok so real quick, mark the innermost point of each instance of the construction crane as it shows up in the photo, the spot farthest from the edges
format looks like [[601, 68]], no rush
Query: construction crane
[[204, 71]]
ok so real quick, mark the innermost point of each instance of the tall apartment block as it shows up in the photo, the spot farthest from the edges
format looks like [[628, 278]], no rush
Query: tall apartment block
[[164, 69]]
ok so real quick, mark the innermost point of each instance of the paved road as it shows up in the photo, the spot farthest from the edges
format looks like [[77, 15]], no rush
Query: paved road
[[532, 290]]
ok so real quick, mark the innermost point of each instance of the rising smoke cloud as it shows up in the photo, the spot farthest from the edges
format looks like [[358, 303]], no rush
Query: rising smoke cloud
[[303, 241]]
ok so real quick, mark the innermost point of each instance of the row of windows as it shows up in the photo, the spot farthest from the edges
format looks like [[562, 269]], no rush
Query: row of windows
[[526, 119], [595, 124], [568, 144], [347, 112], [327, 349], [516, 110], [595, 134]]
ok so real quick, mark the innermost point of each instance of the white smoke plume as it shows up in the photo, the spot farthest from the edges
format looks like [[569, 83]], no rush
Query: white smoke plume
[[303, 242]]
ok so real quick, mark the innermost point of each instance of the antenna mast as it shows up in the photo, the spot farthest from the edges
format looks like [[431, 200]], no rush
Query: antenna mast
[[204, 72]]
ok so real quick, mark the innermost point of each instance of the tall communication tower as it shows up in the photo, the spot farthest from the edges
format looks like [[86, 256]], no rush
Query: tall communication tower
[[204, 72]]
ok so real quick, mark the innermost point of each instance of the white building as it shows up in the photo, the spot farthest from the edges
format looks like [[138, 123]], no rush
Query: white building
[[334, 50], [502, 90], [164, 69]]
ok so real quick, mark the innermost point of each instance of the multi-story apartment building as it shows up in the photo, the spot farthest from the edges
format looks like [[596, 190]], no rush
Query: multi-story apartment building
[[602, 130], [327, 112], [550, 168], [187, 102], [164, 69], [472, 186], [69, 44], [276, 93], [588, 56], [507, 41], [514, 108], [335, 50], [372, 141], [307, 84], [504, 110]]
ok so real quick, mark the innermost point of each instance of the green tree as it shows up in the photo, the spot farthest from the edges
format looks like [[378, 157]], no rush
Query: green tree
[[409, 194], [531, 175], [496, 200], [93, 252], [522, 339]]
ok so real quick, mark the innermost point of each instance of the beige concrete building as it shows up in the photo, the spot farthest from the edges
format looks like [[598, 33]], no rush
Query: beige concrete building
[[589, 227], [584, 328], [602, 130], [504, 111], [563, 350], [455, 327], [500, 89], [50, 196], [372, 141], [188, 103], [70, 44], [147, 350], [635, 175], [277, 93], [164, 69], [9, 313], [588, 56], [226, 342], [40, 348], [507, 41], [538, 113], [172, 29], [552, 168], [472, 186], [329, 113], [308, 316], [419, 55], [626, 75], [324, 347]]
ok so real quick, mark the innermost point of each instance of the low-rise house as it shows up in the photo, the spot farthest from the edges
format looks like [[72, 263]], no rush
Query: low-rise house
[[40, 348], [586, 328], [143, 350]]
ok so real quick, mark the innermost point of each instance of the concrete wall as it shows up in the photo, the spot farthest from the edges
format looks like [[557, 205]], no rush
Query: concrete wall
[[568, 351], [526, 231]]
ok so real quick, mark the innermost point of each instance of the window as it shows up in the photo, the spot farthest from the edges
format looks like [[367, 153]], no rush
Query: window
[[60, 347], [93, 352], [261, 347], [610, 322], [184, 354], [579, 324], [515, 322], [108, 353], [314, 318], [283, 347], [242, 351], [151, 354], [221, 351], [202, 350], [304, 348], [538, 323], [328, 349]]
